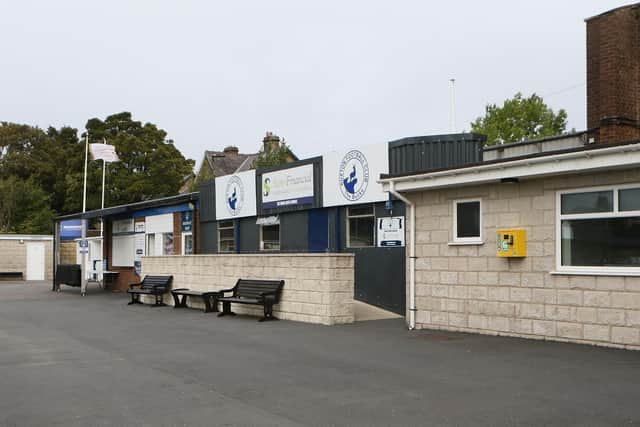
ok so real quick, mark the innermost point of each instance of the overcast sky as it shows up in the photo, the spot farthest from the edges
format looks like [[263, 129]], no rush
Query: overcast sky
[[324, 74]]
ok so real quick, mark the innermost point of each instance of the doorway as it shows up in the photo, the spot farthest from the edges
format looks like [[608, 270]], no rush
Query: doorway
[[35, 261]]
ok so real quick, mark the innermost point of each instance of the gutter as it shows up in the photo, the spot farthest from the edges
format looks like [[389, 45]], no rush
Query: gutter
[[412, 255]]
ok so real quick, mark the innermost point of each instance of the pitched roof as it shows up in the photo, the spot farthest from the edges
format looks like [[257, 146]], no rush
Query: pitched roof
[[222, 163]]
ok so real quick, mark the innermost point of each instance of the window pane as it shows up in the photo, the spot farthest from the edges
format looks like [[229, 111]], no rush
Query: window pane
[[271, 237], [607, 242], [361, 210], [226, 233], [595, 201], [225, 224], [468, 219], [227, 246], [188, 244], [361, 231], [629, 199], [167, 244]]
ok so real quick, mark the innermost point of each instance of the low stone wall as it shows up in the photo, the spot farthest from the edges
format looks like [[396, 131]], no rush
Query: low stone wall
[[318, 287]]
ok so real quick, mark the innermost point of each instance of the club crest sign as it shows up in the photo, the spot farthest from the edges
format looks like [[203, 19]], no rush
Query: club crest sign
[[234, 195], [353, 175]]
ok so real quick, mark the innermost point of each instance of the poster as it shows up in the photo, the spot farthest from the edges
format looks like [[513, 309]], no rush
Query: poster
[[288, 187], [391, 231]]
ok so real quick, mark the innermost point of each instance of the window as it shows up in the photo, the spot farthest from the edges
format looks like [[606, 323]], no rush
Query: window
[[150, 249], [467, 222], [167, 243], [598, 230], [187, 243], [270, 237], [360, 226], [226, 236]]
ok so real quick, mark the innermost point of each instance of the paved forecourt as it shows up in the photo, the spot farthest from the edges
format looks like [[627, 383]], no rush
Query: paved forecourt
[[68, 360]]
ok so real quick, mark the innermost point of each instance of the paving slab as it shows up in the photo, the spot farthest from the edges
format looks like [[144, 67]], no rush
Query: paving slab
[[72, 360]]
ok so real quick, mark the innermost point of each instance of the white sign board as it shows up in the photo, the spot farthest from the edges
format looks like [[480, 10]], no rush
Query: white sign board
[[349, 177], [391, 231], [288, 187], [236, 195]]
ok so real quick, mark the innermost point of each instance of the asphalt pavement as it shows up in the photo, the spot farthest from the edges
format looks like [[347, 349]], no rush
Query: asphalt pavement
[[67, 360]]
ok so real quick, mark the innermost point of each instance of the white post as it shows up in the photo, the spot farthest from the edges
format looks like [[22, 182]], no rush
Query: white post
[[104, 167], [453, 105], [83, 253]]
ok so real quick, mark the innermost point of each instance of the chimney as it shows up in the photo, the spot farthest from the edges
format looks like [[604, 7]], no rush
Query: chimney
[[230, 151], [613, 75], [270, 142]]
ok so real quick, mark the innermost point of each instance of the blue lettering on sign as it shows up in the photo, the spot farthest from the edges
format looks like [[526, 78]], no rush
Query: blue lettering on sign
[[234, 195], [353, 175]]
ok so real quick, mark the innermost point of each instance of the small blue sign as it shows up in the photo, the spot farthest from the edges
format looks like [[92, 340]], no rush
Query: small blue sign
[[71, 229]]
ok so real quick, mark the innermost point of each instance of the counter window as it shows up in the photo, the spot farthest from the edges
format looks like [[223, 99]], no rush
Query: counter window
[[360, 226], [270, 237], [226, 236]]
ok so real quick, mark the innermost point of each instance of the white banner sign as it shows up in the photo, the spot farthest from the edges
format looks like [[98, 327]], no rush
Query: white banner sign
[[288, 187], [104, 152], [349, 177], [236, 195], [391, 231]]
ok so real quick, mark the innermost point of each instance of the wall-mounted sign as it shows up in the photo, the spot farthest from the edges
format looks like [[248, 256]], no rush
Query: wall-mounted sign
[[236, 195], [288, 187], [349, 177], [187, 221], [391, 231], [71, 229]]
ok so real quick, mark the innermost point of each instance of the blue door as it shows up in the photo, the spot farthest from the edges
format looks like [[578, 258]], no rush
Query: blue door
[[318, 230]]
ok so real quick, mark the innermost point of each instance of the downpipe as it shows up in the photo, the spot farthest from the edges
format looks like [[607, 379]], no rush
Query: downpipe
[[412, 254]]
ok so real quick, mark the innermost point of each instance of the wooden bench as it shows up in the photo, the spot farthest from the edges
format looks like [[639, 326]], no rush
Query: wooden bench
[[150, 285], [255, 292], [11, 275], [210, 299]]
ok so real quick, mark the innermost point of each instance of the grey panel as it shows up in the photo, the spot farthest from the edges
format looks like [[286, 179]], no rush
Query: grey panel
[[424, 153], [208, 237], [207, 201], [294, 232], [249, 235]]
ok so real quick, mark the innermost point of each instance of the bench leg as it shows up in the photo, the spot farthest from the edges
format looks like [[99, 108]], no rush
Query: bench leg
[[210, 303], [226, 309], [135, 299], [180, 301], [268, 313]]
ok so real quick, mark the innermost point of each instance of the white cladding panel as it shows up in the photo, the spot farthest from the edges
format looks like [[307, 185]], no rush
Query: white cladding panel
[[123, 252], [350, 177], [159, 224], [236, 195]]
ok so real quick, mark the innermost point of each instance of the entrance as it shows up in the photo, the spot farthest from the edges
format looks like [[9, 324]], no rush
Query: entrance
[[35, 261]]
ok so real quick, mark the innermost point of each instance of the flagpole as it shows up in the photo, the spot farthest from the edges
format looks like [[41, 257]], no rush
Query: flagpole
[[104, 167], [86, 159], [83, 251]]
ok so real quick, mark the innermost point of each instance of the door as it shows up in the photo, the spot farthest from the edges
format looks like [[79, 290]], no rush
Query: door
[[35, 261], [318, 231]]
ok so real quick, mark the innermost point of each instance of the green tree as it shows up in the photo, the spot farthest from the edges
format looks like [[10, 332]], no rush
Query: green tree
[[277, 154], [519, 119], [24, 207], [150, 165]]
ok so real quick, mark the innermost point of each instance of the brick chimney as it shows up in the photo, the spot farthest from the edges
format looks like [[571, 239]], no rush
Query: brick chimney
[[270, 142], [231, 150], [613, 75]]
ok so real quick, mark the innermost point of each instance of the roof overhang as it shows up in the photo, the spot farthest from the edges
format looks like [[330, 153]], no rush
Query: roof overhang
[[609, 158]]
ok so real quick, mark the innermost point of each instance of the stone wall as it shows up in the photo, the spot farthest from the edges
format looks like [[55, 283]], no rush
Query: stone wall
[[318, 287], [68, 252], [468, 288]]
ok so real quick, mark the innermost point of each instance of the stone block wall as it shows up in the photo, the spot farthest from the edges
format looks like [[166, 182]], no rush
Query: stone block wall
[[13, 256], [318, 287], [468, 288]]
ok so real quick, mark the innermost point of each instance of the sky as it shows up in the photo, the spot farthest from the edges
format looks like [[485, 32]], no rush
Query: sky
[[325, 75]]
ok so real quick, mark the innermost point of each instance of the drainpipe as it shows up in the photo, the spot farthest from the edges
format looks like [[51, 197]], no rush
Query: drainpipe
[[412, 255]]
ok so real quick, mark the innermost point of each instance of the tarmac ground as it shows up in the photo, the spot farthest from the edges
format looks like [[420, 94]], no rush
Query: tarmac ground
[[68, 360]]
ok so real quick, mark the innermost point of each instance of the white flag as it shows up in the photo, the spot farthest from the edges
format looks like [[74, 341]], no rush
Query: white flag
[[104, 152]]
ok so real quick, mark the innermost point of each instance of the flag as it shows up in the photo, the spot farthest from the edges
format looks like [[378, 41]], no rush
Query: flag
[[104, 152]]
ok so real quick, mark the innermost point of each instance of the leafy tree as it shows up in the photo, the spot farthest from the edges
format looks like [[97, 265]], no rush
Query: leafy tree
[[150, 165], [24, 207], [275, 155], [519, 119]]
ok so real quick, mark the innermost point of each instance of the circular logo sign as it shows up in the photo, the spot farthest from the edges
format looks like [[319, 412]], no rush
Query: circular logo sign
[[353, 175], [234, 195]]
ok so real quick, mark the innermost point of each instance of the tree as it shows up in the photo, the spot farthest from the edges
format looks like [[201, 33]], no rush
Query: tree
[[519, 119], [24, 207], [150, 165], [276, 154]]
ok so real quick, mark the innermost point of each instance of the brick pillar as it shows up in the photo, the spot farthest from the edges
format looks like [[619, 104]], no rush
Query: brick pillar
[[613, 75]]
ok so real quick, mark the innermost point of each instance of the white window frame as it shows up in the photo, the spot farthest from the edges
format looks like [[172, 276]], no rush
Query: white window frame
[[479, 240], [615, 213], [150, 244], [183, 242], [262, 238], [233, 227], [373, 228]]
